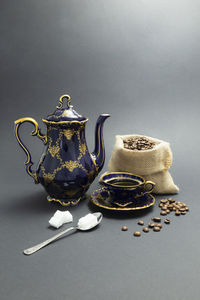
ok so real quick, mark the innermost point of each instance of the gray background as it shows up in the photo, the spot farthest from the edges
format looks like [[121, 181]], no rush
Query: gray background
[[138, 61]]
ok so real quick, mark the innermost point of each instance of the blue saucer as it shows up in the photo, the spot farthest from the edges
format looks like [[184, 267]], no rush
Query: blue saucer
[[101, 198]]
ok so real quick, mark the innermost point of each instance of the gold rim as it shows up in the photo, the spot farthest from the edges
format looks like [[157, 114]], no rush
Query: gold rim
[[92, 199], [110, 173], [64, 122]]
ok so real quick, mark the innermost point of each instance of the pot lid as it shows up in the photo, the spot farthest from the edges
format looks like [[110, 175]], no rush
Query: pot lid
[[62, 114]]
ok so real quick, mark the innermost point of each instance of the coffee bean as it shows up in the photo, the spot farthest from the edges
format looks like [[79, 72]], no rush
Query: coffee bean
[[156, 219], [163, 213], [145, 229], [170, 206], [182, 209], [164, 201], [171, 200], [177, 213], [156, 228], [168, 211], [177, 206], [167, 221], [137, 233], [158, 225], [124, 228], [183, 212], [140, 222], [187, 208], [165, 207], [151, 225]]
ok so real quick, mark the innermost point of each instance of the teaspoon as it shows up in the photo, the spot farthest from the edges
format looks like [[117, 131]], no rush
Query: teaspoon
[[37, 247]]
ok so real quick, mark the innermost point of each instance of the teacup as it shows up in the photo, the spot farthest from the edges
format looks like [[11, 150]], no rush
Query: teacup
[[125, 187]]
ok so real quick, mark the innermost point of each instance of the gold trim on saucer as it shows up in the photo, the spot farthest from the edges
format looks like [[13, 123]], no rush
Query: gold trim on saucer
[[92, 199], [123, 205]]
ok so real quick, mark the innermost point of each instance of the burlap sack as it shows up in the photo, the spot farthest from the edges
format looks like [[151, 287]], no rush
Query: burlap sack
[[152, 164]]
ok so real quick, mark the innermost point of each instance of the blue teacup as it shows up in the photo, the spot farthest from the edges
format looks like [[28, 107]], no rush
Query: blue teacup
[[125, 187]]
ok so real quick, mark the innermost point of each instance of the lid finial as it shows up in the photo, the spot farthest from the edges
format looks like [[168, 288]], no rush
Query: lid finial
[[61, 101], [64, 115]]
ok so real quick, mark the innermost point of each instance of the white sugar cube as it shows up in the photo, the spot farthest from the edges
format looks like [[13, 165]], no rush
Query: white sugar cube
[[55, 222], [60, 218], [64, 215]]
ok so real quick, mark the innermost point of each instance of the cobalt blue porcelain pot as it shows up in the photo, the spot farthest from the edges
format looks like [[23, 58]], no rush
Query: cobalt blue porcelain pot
[[66, 168]]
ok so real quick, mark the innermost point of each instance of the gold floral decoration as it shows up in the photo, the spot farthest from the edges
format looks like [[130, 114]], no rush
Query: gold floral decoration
[[53, 150], [68, 133], [82, 148], [48, 177], [71, 165]]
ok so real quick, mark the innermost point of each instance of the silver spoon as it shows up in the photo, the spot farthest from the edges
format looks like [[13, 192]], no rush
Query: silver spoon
[[37, 247]]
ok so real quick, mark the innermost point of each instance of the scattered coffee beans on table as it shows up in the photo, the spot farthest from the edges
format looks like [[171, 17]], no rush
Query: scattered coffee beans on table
[[158, 225], [156, 228], [156, 219], [124, 228], [151, 225], [140, 222], [137, 233], [138, 143], [145, 229], [167, 221]]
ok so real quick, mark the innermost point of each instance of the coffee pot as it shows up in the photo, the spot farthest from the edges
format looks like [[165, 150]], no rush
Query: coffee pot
[[66, 168]]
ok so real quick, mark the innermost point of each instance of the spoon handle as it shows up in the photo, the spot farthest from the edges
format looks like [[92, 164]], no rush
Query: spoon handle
[[43, 244]]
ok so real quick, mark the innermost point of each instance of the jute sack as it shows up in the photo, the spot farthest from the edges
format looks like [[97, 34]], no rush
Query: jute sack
[[152, 164]]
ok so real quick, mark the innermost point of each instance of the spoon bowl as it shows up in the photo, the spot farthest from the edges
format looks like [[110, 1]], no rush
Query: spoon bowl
[[99, 217]]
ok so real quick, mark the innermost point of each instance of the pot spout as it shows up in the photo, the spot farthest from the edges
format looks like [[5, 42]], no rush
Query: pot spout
[[98, 154]]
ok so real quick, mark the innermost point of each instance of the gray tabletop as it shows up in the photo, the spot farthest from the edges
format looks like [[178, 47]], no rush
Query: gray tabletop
[[138, 61]]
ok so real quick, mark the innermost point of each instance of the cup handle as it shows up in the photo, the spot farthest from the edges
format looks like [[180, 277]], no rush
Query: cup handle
[[152, 184], [148, 191]]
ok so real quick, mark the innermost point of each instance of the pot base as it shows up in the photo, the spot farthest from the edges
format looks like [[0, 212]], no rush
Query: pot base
[[65, 202]]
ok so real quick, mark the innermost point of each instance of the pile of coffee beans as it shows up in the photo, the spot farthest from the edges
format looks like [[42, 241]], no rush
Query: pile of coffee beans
[[138, 143], [168, 205]]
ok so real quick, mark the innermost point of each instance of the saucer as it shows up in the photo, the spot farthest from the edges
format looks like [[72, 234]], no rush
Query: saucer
[[101, 198]]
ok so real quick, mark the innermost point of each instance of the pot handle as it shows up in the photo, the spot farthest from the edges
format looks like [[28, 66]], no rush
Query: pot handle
[[36, 132]]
